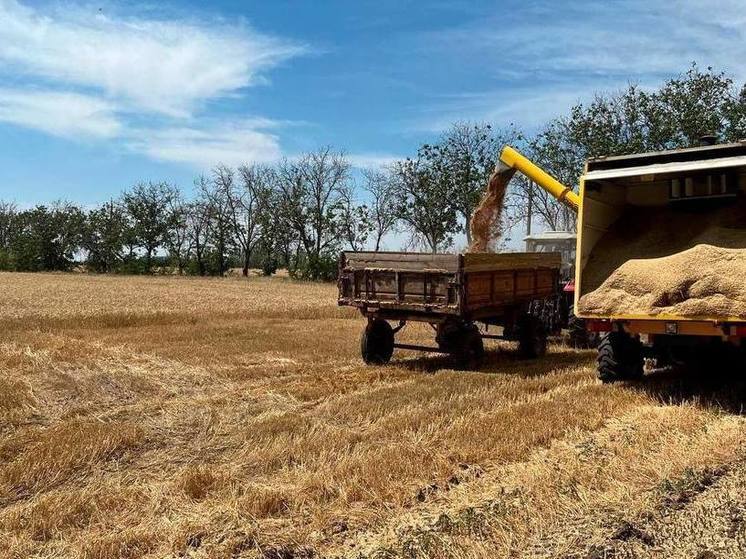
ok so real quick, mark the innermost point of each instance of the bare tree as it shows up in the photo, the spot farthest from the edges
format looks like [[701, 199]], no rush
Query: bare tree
[[215, 193], [246, 203], [198, 224], [355, 222], [325, 174], [178, 238], [310, 193], [382, 207]]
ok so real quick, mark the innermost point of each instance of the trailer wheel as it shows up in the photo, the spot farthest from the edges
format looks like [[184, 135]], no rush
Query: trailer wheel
[[619, 358], [532, 337], [469, 348], [377, 342], [580, 338]]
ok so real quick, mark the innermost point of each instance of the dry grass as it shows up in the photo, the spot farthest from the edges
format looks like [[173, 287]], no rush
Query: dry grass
[[170, 417]]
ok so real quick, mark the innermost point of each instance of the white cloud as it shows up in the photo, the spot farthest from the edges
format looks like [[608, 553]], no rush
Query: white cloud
[[524, 107], [78, 73], [545, 59], [203, 148], [625, 38], [59, 113], [163, 66]]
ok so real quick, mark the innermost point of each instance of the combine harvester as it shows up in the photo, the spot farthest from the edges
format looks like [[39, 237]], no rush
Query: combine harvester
[[660, 266]]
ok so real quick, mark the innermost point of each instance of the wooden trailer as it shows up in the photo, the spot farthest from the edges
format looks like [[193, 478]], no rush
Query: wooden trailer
[[452, 292]]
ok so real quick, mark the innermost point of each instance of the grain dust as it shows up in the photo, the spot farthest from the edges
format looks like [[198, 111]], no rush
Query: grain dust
[[485, 221]]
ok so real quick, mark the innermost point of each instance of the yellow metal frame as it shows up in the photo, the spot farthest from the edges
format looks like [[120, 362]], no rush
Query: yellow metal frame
[[511, 158], [515, 160]]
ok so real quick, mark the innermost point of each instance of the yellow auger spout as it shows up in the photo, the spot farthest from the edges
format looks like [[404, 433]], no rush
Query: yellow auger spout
[[512, 159]]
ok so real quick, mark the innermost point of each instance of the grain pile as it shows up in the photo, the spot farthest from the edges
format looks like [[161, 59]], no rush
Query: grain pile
[[485, 220], [690, 264]]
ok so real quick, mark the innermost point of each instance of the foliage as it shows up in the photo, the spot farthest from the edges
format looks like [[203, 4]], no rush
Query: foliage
[[310, 200], [634, 120], [423, 202], [46, 237], [147, 205], [103, 237], [299, 213]]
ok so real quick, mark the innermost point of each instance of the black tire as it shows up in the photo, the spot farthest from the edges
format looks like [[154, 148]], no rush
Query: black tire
[[532, 337], [580, 338], [469, 350], [619, 358], [377, 342]]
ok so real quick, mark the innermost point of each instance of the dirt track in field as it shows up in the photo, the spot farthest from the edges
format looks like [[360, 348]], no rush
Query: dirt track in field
[[167, 417]]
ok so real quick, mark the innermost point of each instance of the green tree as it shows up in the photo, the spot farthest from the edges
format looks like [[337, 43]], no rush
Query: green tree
[[148, 207], [467, 154], [215, 195], [8, 231], [103, 237], [634, 120], [424, 202], [48, 237], [177, 237]]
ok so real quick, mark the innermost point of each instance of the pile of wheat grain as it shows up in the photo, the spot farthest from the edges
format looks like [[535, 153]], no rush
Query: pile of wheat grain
[[652, 261]]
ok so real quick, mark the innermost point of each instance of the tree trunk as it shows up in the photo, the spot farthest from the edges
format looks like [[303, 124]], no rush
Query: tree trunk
[[200, 263], [247, 258], [467, 229]]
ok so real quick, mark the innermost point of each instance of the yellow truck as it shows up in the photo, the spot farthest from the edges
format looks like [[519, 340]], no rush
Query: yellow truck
[[660, 268]]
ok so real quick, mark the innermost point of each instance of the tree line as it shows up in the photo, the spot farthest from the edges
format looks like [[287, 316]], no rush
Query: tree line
[[298, 213]]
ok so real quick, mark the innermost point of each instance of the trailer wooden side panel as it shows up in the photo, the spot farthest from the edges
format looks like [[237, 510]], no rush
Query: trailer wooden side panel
[[501, 286], [402, 261], [469, 285]]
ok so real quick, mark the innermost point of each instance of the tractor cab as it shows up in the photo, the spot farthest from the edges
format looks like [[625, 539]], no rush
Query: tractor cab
[[557, 314], [556, 241]]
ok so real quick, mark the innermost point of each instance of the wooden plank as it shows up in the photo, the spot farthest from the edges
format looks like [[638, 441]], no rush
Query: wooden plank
[[405, 261], [482, 262]]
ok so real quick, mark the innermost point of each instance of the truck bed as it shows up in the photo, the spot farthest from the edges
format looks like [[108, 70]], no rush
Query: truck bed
[[470, 286]]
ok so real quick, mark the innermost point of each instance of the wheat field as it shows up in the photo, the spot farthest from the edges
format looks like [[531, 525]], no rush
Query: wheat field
[[183, 417]]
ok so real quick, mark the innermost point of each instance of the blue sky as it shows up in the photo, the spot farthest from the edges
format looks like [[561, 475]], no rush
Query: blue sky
[[96, 96]]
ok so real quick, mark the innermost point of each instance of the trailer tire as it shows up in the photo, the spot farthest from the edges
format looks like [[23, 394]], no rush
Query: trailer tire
[[532, 337], [580, 337], [469, 348], [377, 342], [619, 358]]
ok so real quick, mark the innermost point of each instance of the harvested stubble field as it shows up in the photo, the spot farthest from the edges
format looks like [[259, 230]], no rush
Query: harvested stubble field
[[168, 417]]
